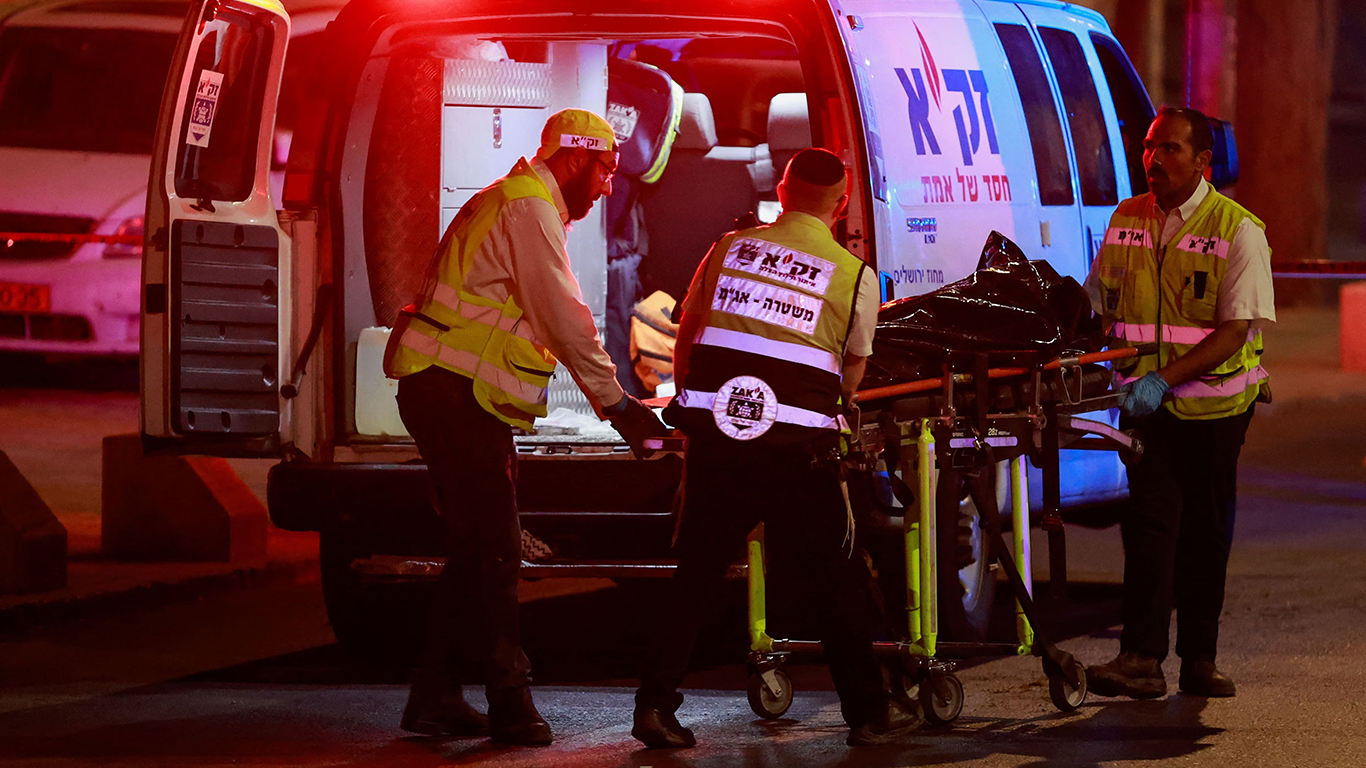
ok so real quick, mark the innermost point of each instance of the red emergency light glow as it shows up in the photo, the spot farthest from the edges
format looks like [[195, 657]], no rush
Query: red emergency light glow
[[10, 238]]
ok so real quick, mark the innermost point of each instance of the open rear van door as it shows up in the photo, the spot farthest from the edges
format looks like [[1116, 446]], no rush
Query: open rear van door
[[216, 265]]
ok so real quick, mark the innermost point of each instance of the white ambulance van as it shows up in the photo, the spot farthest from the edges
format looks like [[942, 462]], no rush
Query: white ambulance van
[[264, 316]]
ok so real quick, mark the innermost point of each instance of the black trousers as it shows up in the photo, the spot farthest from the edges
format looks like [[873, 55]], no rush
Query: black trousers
[[1178, 531], [473, 466], [728, 489]]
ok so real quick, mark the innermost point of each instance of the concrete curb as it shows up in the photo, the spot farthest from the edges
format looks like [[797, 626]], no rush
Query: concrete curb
[[33, 542], [20, 613]]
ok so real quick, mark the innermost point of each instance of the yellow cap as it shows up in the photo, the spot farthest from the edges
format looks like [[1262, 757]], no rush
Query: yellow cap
[[576, 128]]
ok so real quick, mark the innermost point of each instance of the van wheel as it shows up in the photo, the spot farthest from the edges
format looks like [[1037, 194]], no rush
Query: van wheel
[[377, 624], [967, 582]]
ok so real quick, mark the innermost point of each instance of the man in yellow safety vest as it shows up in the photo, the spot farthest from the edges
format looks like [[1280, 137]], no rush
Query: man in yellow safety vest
[[776, 329], [1189, 268], [474, 356]]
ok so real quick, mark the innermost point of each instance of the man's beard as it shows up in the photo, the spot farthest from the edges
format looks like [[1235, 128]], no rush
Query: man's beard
[[578, 195]]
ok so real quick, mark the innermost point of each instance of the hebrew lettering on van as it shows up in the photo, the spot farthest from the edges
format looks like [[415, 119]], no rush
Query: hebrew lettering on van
[[972, 85], [918, 107], [908, 276], [968, 186], [989, 188], [968, 82], [997, 187], [957, 80], [979, 84], [938, 189]]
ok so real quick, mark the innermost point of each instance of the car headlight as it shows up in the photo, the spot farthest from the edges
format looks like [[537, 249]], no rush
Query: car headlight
[[131, 227]]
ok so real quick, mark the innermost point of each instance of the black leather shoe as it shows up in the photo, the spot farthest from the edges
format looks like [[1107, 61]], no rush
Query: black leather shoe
[[1129, 674], [658, 729], [513, 719], [448, 715], [456, 718], [1202, 678], [898, 722]]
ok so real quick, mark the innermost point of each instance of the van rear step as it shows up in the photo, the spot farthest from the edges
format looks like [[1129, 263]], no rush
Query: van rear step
[[390, 569]]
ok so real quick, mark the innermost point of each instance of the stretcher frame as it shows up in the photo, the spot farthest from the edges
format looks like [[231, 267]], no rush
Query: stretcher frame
[[965, 439], [928, 663]]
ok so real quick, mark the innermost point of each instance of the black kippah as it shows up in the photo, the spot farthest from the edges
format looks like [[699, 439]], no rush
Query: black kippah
[[817, 166]]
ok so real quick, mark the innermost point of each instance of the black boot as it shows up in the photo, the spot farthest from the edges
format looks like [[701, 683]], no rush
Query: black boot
[[513, 719], [432, 713], [1128, 674], [897, 722], [658, 729], [1202, 678]]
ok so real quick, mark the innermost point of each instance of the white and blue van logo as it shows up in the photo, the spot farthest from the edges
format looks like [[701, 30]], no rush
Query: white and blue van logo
[[931, 91]]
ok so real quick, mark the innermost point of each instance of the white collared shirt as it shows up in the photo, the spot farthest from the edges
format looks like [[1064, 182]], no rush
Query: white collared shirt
[[525, 256], [1246, 292]]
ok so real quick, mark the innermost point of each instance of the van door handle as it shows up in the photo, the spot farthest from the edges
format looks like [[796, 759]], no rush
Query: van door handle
[[320, 308], [1046, 232]]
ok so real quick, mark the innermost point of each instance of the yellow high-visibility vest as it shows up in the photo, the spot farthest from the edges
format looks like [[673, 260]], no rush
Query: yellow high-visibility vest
[[486, 340], [768, 357], [1170, 294]]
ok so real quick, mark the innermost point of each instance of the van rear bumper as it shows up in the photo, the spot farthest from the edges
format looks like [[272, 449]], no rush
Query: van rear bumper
[[583, 509]]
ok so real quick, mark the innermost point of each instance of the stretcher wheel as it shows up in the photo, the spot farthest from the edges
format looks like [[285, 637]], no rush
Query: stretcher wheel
[[766, 703], [940, 711], [1064, 696]]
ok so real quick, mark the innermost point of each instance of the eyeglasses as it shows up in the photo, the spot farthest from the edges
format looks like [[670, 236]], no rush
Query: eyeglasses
[[611, 169]]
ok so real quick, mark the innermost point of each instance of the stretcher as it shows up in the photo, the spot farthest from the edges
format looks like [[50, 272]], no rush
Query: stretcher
[[931, 437]]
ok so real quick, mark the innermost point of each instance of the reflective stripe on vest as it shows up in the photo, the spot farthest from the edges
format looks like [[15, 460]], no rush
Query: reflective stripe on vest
[[449, 298], [1169, 294], [778, 350], [787, 414], [477, 336], [468, 362], [1234, 385], [1139, 333]]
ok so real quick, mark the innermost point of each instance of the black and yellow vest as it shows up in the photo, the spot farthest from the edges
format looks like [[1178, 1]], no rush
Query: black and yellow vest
[[766, 362], [483, 339], [1170, 294]]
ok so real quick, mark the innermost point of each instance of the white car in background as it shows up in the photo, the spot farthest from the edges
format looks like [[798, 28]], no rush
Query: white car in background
[[80, 88]]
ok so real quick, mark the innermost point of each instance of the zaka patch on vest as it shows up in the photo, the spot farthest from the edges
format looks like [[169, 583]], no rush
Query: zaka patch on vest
[[760, 257], [768, 303], [745, 408], [1140, 238]]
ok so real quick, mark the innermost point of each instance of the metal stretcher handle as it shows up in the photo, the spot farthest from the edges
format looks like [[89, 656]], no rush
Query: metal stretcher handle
[[927, 385]]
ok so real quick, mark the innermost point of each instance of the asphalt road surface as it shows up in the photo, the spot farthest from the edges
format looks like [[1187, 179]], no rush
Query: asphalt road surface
[[252, 677]]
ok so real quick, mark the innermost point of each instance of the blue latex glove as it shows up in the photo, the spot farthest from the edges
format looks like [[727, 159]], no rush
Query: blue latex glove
[[1142, 397]]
